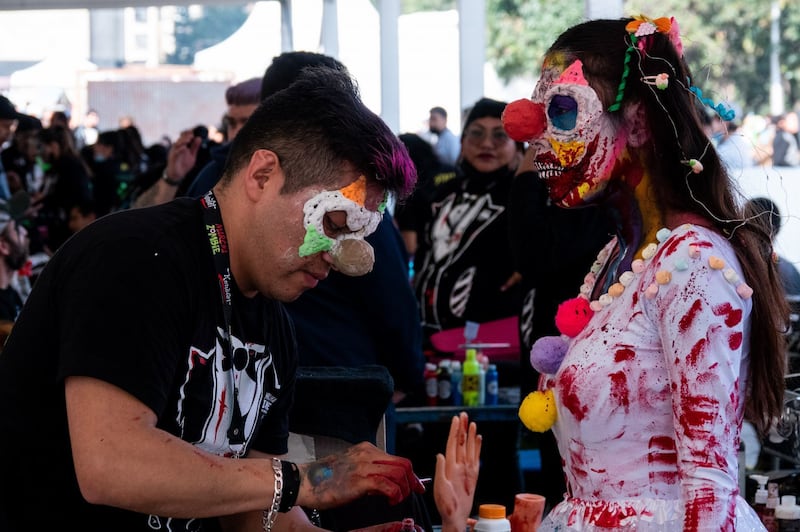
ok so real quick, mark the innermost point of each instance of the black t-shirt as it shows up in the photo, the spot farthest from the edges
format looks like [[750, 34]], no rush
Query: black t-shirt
[[134, 300], [10, 303], [466, 253]]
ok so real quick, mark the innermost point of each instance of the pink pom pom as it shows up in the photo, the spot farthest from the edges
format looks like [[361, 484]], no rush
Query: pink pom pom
[[524, 120], [547, 353], [573, 315]]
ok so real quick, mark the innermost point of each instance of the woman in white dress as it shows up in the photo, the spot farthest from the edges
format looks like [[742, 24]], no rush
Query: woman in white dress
[[676, 335]]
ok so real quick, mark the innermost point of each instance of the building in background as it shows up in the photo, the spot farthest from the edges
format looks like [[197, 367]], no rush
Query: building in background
[[101, 54]]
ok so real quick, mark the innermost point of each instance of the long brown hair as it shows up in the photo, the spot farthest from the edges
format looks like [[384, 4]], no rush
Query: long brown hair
[[673, 117]]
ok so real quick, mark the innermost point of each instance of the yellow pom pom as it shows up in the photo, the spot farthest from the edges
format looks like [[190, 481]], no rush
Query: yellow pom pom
[[538, 411]]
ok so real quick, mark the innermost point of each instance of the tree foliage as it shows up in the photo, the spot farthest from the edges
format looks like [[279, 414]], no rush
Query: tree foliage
[[193, 34], [727, 43], [520, 31]]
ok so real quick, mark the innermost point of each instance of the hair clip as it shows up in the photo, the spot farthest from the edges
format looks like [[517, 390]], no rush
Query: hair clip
[[694, 164], [661, 81], [640, 27]]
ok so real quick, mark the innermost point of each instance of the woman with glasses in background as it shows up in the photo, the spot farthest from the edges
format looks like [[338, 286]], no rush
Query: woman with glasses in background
[[465, 251]]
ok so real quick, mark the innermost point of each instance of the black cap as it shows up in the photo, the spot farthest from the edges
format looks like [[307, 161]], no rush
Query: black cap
[[485, 107], [7, 109]]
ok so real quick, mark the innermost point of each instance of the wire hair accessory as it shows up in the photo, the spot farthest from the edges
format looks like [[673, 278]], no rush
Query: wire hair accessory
[[640, 27]]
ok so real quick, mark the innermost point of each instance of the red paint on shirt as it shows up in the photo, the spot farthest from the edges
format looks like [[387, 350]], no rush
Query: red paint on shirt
[[619, 389], [607, 517], [732, 316], [688, 318], [672, 244], [697, 350], [702, 504], [569, 393], [624, 354], [735, 340], [660, 444]]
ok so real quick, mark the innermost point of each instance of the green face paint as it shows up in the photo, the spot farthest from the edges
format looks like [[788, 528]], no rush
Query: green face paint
[[314, 242]]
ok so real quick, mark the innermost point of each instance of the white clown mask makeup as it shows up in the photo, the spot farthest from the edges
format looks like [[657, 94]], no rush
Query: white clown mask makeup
[[352, 255], [576, 143]]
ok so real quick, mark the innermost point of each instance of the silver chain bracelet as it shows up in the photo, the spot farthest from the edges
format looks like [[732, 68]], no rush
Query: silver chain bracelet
[[269, 516]]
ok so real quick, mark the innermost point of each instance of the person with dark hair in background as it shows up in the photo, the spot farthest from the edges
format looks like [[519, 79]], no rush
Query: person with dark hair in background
[[81, 215], [19, 158], [770, 214], [9, 120], [66, 182], [677, 333], [466, 255], [785, 149], [86, 132], [13, 256], [178, 422], [108, 171], [446, 145], [411, 215]]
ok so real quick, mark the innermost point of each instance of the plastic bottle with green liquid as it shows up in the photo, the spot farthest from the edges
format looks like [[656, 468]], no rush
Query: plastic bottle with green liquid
[[470, 378]]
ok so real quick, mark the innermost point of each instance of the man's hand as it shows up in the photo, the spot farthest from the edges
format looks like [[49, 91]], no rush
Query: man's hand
[[182, 155], [362, 470], [457, 474]]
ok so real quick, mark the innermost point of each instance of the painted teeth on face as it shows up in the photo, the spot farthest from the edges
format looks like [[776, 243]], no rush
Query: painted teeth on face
[[566, 156], [548, 172]]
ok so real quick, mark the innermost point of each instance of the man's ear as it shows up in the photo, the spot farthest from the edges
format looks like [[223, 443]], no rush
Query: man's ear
[[636, 121], [263, 166]]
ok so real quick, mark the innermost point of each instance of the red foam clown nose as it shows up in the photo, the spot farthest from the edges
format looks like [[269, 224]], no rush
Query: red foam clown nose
[[524, 120]]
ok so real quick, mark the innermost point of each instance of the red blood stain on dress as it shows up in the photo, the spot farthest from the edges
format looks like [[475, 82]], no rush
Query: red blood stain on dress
[[688, 318], [566, 383], [732, 316], [619, 389], [697, 350], [735, 340], [624, 354]]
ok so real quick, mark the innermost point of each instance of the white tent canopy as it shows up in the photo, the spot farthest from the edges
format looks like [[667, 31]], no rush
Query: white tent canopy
[[249, 50], [43, 85]]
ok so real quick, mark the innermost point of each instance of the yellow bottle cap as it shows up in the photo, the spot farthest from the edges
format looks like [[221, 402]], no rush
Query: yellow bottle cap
[[492, 511]]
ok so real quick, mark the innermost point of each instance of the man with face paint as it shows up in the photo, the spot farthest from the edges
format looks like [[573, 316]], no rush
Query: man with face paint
[[676, 334], [162, 358]]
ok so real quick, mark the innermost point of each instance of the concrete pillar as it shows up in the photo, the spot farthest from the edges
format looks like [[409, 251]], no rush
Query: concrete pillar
[[472, 54], [603, 9], [389, 11], [287, 35], [329, 36]]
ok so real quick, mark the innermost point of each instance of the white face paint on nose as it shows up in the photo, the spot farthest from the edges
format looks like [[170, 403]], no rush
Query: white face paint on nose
[[352, 255]]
